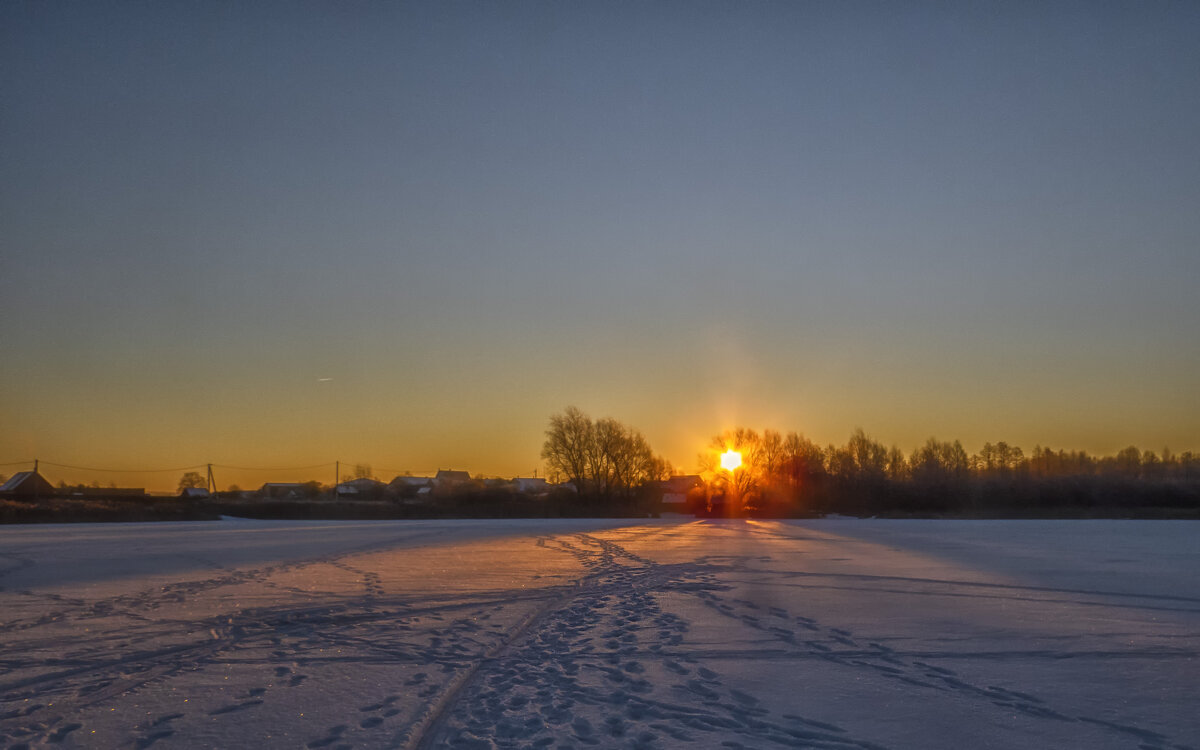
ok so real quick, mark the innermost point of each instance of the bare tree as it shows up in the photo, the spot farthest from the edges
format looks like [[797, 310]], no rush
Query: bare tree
[[773, 455], [742, 486], [804, 460], [569, 442], [191, 480], [868, 456], [604, 458], [897, 466], [937, 462]]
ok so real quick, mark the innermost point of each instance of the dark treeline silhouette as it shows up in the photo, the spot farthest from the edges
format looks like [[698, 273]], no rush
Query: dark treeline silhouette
[[603, 468], [791, 475], [604, 460]]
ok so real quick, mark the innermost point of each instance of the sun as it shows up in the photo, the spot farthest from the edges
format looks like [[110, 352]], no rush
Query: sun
[[730, 460]]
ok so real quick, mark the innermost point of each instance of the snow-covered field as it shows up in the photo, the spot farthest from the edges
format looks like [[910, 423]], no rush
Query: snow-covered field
[[835, 634]]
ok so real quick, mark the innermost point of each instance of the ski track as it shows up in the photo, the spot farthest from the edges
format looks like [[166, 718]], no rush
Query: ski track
[[605, 660]]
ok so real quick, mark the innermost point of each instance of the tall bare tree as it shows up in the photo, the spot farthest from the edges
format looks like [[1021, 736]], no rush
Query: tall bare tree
[[568, 446], [190, 480], [602, 458]]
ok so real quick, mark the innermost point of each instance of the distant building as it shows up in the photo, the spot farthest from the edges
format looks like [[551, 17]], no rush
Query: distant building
[[26, 485], [531, 485], [282, 491], [406, 482], [105, 493], [683, 494], [362, 487], [446, 479], [409, 489], [194, 493]]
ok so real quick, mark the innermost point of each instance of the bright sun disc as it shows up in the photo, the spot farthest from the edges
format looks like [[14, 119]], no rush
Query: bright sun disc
[[730, 460]]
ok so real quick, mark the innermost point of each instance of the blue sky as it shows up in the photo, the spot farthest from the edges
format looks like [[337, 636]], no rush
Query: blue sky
[[973, 221]]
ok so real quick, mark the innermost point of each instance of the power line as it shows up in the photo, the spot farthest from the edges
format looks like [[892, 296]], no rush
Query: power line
[[272, 468], [17, 463], [122, 471], [400, 472]]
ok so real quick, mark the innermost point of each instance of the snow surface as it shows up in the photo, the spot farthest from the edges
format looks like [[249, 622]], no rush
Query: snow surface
[[835, 634]]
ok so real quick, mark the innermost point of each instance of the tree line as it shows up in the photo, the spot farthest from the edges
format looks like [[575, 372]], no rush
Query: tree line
[[791, 475], [604, 459], [613, 471]]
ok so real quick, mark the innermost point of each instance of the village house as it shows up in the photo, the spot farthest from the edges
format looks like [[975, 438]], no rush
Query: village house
[[450, 480], [282, 491], [26, 485], [410, 489], [531, 485], [683, 494], [108, 493], [361, 488], [406, 483]]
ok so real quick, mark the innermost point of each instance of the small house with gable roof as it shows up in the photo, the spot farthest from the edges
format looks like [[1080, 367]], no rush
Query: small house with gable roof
[[26, 485]]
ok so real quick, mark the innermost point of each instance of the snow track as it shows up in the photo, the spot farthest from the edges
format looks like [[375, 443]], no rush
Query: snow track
[[830, 635]]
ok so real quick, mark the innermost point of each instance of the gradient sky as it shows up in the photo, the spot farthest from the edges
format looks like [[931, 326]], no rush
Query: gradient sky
[[406, 234]]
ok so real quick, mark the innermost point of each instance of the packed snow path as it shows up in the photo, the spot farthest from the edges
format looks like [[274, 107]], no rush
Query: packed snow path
[[831, 634]]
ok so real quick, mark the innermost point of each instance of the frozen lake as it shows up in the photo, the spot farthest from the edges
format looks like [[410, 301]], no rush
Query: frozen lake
[[837, 634]]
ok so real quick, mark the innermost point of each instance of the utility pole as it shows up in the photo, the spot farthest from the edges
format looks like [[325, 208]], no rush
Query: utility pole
[[212, 482], [337, 470]]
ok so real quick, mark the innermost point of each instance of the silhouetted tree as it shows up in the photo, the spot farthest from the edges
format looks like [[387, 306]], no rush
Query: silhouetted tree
[[897, 466], [568, 446], [937, 462], [762, 458], [868, 457], [603, 459], [191, 479], [1152, 466], [804, 461], [1129, 461], [773, 456]]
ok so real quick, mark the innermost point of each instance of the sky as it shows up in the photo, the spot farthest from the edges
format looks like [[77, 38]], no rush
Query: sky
[[406, 234]]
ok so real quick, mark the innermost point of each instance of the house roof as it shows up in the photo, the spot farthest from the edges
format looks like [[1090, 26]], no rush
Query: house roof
[[15, 481], [683, 483], [444, 475], [525, 484], [411, 481], [34, 479], [362, 483]]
